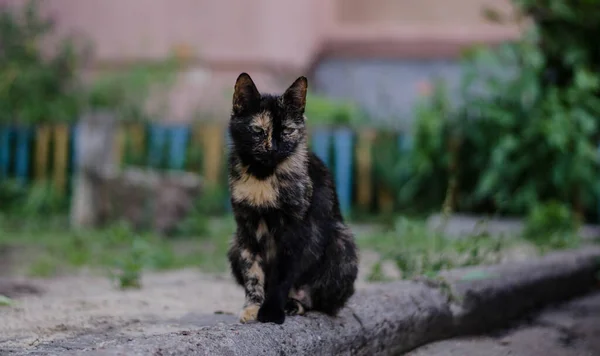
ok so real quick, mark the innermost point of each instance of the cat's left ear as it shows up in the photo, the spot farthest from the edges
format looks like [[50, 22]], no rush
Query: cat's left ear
[[245, 94], [295, 96]]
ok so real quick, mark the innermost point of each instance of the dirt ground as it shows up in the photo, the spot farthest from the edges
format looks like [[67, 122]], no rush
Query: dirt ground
[[87, 304]]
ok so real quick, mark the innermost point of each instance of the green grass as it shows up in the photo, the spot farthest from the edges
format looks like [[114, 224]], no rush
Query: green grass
[[47, 248], [417, 250]]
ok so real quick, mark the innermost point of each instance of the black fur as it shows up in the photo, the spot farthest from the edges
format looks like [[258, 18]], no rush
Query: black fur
[[292, 251]]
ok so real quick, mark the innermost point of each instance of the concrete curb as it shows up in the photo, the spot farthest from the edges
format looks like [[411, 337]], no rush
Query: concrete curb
[[483, 298], [384, 319]]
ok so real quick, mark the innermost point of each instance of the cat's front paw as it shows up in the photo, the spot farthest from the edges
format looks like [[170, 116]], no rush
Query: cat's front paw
[[271, 313], [249, 313]]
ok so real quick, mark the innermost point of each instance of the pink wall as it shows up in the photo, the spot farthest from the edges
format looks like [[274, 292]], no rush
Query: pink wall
[[274, 40], [282, 31]]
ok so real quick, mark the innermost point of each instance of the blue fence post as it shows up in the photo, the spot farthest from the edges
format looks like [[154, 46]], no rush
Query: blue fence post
[[179, 140], [158, 138], [23, 138], [404, 142], [5, 134], [75, 147], [321, 141], [343, 167]]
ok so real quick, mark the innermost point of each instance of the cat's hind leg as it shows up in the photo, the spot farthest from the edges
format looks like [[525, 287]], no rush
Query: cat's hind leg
[[335, 283], [298, 302]]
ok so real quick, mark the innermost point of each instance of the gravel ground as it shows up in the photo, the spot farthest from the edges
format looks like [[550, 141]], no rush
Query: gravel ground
[[88, 304]]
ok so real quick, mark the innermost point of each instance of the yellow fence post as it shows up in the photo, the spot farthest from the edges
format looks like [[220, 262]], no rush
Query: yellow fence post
[[61, 148], [212, 139], [136, 131], [385, 199], [364, 166], [119, 149]]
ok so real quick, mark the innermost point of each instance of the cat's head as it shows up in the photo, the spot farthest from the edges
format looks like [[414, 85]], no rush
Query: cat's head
[[267, 128]]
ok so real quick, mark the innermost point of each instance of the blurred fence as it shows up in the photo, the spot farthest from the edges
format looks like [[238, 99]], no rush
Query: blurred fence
[[48, 152]]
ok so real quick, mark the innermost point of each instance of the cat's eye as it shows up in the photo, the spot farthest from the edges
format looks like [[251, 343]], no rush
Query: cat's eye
[[257, 129], [288, 131]]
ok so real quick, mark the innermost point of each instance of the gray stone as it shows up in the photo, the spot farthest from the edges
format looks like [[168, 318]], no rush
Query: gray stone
[[148, 198], [381, 320], [570, 329], [104, 193], [487, 297], [386, 319], [95, 154]]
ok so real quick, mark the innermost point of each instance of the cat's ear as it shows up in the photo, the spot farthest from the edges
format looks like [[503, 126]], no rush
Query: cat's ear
[[245, 93], [295, 96]]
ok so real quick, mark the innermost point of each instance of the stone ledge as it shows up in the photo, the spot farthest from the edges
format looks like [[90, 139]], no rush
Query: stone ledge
[[384, 319]]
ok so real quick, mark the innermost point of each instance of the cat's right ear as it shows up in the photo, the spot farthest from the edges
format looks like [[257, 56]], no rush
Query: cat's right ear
[[245, 93]]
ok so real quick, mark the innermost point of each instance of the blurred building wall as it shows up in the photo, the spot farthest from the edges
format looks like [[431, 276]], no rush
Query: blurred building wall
[[274, 40]]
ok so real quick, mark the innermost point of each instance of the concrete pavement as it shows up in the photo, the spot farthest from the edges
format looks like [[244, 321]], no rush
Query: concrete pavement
[[571, 329]]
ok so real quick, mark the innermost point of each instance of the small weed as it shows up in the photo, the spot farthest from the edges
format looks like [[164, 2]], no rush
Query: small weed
[[376, 274], [6, 301], [552, 226], [44, 266], [129, 266]]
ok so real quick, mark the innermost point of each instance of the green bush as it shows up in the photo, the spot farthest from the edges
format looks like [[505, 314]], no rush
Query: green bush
[[527, 121], [34, 86], [37, 87]]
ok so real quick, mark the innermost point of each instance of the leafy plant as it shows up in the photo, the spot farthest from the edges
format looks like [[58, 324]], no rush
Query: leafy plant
[[34, 86], [526, 127], [134, 256], [37, 87], [417, 175], [126, 92]]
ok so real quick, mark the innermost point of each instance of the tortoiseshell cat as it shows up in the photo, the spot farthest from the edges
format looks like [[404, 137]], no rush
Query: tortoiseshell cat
[[292, 251]]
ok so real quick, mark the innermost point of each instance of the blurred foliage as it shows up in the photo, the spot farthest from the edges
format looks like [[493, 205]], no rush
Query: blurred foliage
[[126, 267], [38, 85], [209, 204], [324, 111], [552, 226], [418, 250], [418, 177], [35, 86], [526, 127], [126, 92], [44, 248], [6, 301], [37, 199]]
